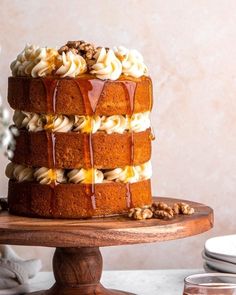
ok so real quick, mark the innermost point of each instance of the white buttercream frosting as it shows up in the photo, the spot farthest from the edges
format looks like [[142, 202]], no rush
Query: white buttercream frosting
[[45, 62], [60, 123], [31, 121], [34, 61], [87, 124], [107, 65], [116, 123], [19, 119], [132, 62], [19, 172], [46, 176], [139, 122], [72, 65], [24, 62], [129, 174], [43, 175], [85, 176], [144, 170]]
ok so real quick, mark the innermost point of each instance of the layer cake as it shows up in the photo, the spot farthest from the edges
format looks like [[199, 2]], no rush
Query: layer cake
[[84, 143]]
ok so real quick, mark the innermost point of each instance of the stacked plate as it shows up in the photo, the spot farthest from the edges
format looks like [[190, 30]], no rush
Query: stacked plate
[[220, 254]]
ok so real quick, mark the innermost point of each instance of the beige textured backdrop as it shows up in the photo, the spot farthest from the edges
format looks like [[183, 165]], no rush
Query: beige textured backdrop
[[189, 47]]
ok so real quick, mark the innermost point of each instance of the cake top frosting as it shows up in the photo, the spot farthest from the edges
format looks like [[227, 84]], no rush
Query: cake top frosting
[[76, 58]]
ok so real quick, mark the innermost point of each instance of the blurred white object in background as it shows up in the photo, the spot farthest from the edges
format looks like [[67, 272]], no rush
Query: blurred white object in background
[[7, 142], [15, 272]]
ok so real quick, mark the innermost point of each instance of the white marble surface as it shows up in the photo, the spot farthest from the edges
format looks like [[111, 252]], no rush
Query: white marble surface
[[140, 282]]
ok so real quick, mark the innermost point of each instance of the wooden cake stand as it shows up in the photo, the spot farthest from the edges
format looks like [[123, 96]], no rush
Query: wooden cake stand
[[77, 262]]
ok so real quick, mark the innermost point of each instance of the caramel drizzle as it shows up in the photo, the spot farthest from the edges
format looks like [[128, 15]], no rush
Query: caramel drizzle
[[54, 98], [91, 91], [51, 88], [151, 94], [130, 89], [93, 195], [152, 134], [53, 141], [128, 195], [132, 148]]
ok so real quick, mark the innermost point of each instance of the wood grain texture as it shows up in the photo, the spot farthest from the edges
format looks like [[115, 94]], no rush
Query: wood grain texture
[[78, 271], [120, 230]]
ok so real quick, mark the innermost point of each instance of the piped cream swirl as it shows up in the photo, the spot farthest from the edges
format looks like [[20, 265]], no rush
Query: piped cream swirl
[[129, 174], [132, 62], [87, 124], [139, 122], [24, 62], [31, 121], [46, 176], [107, 65], [58, 123], [45, 62], [72, 65], [19, 172], [144, 170], [85, 176], [61, 123], [34, 61], [114, 123], [43, 175]]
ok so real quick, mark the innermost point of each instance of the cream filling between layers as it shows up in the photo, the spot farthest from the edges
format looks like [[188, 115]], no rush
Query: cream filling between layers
[[61, 123], [43, 175]]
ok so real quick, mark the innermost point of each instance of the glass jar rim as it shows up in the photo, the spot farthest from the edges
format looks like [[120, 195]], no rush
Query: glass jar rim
[[189, 280]]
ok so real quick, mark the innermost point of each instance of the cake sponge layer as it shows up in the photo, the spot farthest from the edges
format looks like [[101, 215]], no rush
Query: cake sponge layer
[[84, 95], [82, 150], [74, 200]]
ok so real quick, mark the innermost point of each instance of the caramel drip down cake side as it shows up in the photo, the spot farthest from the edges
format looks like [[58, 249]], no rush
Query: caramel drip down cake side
[[84, 143]]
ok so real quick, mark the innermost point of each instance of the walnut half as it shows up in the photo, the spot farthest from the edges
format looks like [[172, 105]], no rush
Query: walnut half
[[160, 210], [141, 213], [183, 208], [85, 49]]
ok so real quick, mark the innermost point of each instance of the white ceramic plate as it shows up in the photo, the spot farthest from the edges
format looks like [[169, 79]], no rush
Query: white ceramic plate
[[223, 248], [219, 265]]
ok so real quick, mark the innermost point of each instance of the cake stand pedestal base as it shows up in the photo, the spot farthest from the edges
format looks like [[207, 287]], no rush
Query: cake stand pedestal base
[[78, 271]]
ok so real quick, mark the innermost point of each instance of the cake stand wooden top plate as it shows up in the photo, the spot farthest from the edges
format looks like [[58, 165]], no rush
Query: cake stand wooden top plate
[[97, 232]]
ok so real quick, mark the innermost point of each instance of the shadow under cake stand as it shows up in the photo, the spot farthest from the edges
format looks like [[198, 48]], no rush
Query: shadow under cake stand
[[77, 262]]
